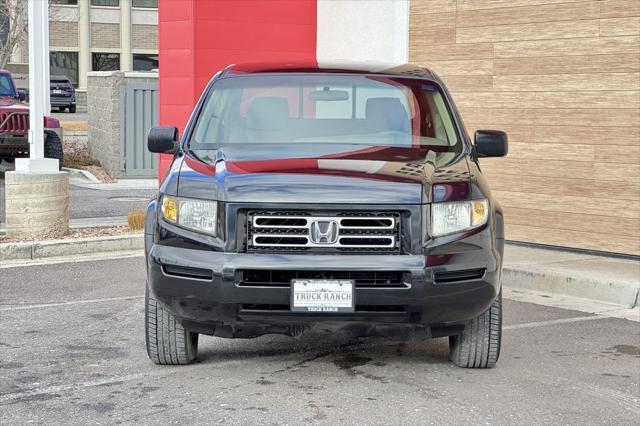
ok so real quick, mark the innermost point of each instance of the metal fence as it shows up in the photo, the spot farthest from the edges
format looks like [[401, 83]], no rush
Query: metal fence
[[138, 113]]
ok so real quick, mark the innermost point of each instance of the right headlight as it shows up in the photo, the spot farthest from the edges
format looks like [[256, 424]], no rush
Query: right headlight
[[197, 215], [449, 218]]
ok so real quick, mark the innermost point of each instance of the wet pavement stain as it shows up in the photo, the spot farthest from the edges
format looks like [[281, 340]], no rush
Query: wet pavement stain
[[627, 349], [11, 365], [262, 381], [614, 375], [350, 361], [100, 407]]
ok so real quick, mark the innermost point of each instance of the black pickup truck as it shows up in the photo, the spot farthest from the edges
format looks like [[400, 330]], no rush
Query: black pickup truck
[[345, 197]]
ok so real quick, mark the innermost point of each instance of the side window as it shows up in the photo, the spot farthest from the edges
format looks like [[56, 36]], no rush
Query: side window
[[442, 123]]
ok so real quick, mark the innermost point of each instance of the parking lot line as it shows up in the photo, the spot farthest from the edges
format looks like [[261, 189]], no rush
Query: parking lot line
[[551, 322], [68, 387], [74, 302]]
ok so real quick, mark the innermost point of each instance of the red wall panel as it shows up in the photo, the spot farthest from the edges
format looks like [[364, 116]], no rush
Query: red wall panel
[[200, 37]]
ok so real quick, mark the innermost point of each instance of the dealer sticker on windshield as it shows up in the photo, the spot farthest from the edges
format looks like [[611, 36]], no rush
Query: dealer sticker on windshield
[[322, 295]]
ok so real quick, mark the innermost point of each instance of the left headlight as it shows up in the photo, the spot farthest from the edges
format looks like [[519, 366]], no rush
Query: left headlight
[[197, 215], [449, 218]]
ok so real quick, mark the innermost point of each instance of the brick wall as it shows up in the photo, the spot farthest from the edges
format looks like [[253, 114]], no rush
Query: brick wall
[[105, 36], [562, 78], [103, 115], [144, 37], [61, 34]]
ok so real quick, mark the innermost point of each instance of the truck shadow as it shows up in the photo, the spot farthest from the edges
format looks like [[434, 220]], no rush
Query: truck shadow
[[346, 352]]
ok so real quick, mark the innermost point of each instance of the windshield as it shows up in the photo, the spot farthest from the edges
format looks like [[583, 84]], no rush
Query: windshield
[[6, 86], [319, 109]]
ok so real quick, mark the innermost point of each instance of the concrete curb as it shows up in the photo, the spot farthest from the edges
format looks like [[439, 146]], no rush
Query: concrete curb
[[45, 249], [611, 291], [82, 174]]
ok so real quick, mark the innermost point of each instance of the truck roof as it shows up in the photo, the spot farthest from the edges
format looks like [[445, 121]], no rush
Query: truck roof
[[399, 70]]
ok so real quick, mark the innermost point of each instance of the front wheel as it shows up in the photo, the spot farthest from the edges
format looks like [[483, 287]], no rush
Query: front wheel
[[168, 343], [53, 147], [72, 109], [478, 346]]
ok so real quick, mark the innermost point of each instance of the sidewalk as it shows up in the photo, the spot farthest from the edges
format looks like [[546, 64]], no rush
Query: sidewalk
[[603, 278]]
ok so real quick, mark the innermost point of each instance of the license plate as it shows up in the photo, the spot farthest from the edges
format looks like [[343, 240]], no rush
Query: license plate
[[322, 295], [57, 92]]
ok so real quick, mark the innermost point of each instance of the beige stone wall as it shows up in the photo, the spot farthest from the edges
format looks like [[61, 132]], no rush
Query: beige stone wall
[[61, 34], [144, 37], [105, 36], [562, 78]]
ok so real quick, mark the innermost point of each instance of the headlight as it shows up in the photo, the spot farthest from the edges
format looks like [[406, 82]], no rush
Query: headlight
[[197, 215], [448, 218]]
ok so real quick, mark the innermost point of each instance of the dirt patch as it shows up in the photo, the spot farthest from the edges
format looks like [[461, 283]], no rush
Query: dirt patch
[[84, 162], [79, 233], [99, 173], [74, 126]]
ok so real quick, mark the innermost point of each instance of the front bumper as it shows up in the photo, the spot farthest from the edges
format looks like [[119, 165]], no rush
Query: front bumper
[[62, 101], [223, 301]]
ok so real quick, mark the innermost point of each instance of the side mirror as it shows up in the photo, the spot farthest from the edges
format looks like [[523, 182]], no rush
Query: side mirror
[[22, 95], [491, 143], [163, 140]]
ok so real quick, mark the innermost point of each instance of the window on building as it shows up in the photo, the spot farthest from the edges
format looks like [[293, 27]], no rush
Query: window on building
[[111, 3], [145, 3], [105, 61], [143, 62], [66, 64], [68, 2]]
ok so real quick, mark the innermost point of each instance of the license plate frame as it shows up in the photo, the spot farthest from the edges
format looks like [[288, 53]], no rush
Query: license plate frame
[[322, 296]]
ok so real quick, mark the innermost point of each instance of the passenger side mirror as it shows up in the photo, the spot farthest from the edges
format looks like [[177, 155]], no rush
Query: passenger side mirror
[[491, 143], [163, 140], [22, 95]]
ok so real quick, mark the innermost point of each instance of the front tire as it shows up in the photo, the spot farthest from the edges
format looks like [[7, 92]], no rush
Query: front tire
[[478, 346], [72, 109], [168, 343], [53, 147]]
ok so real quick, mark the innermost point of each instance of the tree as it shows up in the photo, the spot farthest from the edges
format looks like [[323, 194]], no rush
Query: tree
[[13, 27]]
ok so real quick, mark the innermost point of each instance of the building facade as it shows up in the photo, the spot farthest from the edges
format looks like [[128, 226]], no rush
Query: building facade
[[561, 77], [99, 35]]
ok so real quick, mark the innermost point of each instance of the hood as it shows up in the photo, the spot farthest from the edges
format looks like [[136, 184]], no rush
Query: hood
[[7, 102], [330, 174]]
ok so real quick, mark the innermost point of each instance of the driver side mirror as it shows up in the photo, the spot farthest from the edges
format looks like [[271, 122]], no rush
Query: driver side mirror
[[22, 95], [163, 140], [491, 143]]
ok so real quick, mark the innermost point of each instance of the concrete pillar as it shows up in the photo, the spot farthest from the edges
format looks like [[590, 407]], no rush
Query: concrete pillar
[[37, 204], [84, 44], [125, 35]]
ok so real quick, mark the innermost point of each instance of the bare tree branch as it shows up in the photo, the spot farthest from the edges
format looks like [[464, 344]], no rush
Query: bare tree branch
[[13, 27]]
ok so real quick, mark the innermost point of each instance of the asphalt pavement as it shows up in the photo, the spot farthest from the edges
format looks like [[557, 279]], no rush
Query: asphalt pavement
[[72, 352], [87, 202]]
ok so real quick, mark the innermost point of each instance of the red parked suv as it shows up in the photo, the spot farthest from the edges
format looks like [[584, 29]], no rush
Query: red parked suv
[[14, 125]]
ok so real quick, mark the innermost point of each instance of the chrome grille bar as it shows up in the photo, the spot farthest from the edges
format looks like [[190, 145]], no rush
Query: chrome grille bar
[[352, 231], [385, 241]]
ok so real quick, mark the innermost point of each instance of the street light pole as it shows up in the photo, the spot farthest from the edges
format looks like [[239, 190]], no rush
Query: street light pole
[[39, 103], [37, 193]]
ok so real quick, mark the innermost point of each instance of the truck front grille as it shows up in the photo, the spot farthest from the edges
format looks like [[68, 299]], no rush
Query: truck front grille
[[361, 232], [282, 278], [14, 122]]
